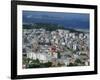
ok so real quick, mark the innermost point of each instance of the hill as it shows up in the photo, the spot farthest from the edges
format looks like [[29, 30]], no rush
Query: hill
[[48, 27]]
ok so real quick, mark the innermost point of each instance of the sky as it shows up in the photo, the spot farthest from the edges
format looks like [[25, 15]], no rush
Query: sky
[[68, 20]]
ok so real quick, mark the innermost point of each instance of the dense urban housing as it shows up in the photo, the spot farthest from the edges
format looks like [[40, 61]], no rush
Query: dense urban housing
[[52, 45]]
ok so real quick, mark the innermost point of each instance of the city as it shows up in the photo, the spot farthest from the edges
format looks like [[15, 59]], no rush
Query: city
[[55, 48]]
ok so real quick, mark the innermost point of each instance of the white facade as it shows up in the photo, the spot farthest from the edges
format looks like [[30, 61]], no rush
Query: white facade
[[74, 46], [54, 55], [39, 56]]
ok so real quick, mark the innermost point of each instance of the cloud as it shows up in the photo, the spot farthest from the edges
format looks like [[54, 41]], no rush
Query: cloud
[[29, 16]]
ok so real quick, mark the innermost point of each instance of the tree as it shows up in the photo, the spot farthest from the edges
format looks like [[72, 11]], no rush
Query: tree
[[59, 64], [72, 64], [37, 60], [48, 64], [59, 55], [33, 65], [78, 61]]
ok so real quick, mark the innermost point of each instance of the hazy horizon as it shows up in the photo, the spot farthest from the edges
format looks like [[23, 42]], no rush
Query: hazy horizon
[[68, 20]]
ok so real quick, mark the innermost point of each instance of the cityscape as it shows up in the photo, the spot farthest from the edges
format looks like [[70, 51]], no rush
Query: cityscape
[[48, 44]]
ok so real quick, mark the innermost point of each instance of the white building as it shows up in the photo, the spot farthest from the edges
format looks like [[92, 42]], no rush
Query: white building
[[74, 46], [54, 55], [81, 36], [42, 57]]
